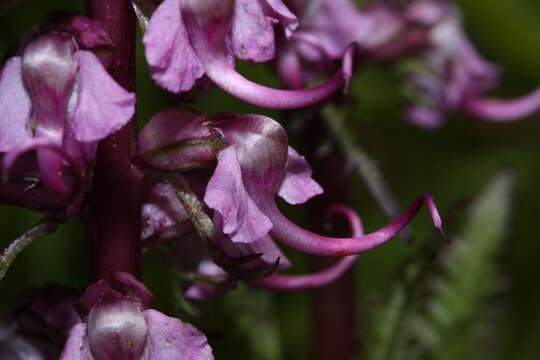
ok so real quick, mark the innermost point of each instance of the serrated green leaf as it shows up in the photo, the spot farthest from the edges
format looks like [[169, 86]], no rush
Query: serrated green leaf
[[449, 328]]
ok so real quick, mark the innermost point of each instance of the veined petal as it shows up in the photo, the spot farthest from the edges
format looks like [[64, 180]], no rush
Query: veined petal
[[499, 110], [49, 70], [15, 107], [252, 33], [226, 77], [117, 329], [171, 339], [103, 106], [173, 62], [262, 150], [76, 347], [226, 194], [297, 186]]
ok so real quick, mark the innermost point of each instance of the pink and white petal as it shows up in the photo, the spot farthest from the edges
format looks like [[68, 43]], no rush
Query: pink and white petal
[[297, 186], [103, 107], [226, 194], [173, 62], [15, 107], [170, 338]]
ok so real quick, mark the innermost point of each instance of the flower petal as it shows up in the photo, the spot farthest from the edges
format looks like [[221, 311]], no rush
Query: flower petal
[[260, 153], [423, 116], [265, 246], [226, 194], [283, 282], [297, 186], [303, 240], [76, 347], [15, 107], [225, 76], [262, 150], [499, 110], [103, 106], [171, 339], [252, 34], [276, 9], [173, 62], [163, 216], [49, 70], [50, 160], [203, 291]]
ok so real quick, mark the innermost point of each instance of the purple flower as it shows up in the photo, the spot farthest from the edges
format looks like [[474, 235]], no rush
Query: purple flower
[[450, 75], [263, 159], [119, 326], [255, 164], [58, 101], [327, 27], [188, 39]]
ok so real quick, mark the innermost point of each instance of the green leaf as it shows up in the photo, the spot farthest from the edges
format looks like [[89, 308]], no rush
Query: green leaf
[[255, 321], [453, 321], [439, 314]]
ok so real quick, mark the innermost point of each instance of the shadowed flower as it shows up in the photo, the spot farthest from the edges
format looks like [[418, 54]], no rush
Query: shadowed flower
[[58, 101], [327, 27], [187, 39], [39, 326], [119, 326], [450, 75]]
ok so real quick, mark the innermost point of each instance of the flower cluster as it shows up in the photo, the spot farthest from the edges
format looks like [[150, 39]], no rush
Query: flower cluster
[[444, 72], [57, 101]]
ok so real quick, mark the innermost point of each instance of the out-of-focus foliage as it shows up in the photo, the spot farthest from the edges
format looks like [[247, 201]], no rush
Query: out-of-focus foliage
[[441, 310]]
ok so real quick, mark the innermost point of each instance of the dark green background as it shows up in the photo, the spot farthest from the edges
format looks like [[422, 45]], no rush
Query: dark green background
[[451, 163]]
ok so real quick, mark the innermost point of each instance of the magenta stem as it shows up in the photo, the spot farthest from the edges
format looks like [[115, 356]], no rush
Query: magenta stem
[[113, 224]]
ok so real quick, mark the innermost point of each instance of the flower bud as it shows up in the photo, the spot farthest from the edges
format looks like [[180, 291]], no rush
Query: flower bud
[[179, 139], [117, 330]]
